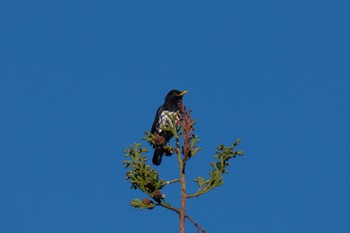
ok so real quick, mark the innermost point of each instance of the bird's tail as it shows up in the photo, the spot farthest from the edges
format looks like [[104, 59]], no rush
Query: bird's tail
[[157, 156]]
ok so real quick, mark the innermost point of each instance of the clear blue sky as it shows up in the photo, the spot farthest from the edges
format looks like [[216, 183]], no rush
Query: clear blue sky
[[81, 80]]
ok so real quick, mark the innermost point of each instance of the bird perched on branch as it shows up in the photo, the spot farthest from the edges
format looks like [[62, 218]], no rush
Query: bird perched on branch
[[172, 104]]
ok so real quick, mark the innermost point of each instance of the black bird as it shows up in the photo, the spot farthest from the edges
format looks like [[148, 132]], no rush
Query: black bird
[[171, 106]]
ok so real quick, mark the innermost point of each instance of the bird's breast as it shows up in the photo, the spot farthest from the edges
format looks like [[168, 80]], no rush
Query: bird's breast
[[164, 119]]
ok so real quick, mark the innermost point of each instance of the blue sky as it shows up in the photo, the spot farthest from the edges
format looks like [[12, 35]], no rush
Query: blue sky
[[81, 80]]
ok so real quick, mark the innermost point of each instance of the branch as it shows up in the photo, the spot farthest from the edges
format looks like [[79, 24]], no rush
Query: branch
[[197, 193], [176, 210], [223, 156], [169, 207], [171, 181], [200, 229]]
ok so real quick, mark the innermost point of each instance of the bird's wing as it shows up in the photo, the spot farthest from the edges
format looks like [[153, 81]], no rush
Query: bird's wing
[[155, 121]]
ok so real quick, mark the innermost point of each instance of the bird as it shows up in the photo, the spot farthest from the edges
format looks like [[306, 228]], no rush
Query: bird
[[171, 105]]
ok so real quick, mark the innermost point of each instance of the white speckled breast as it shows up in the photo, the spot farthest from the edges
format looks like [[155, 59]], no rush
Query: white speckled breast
[[164, 119]]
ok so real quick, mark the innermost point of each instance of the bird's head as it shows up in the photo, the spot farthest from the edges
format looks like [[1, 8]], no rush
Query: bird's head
[[174, 97]]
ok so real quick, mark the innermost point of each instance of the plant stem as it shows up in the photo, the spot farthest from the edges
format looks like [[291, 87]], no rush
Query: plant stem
[[167, 206], [183, 200], [181, 162], [205, 190], [176, 210], [199, 228], [172, 181]]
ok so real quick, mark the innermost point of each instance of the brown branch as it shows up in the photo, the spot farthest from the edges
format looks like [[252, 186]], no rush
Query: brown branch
[[172, 181], [176, 210], [169, 207], [200, 229], [194, 195], [183, 187]]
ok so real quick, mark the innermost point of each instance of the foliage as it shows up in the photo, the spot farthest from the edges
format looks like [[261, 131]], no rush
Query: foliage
[[140, 174], [143, 177]]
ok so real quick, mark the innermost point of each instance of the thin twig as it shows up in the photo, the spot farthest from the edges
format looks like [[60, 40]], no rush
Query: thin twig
[[167, 206], [205, 190], [172, 181], [200, 229], [176, 210]]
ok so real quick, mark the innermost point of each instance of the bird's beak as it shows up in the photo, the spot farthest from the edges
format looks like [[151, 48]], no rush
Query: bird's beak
[[182, 93]]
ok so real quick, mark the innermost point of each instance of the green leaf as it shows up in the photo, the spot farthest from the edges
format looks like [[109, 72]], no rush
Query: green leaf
[[137, 203]]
